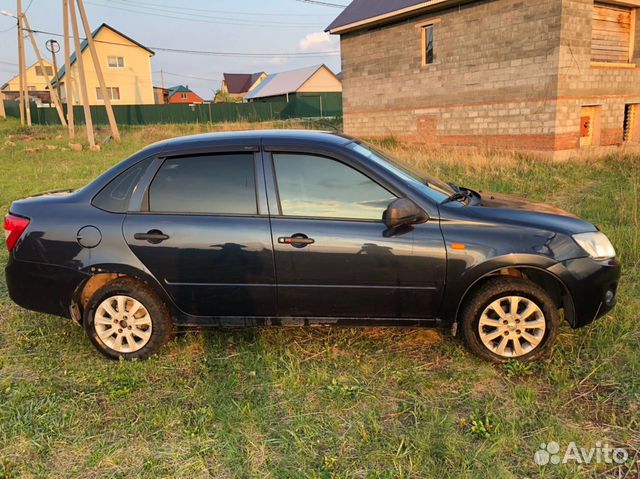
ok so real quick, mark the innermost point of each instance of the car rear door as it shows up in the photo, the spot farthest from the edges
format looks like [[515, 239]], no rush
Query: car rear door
[[203, 231], [334, 256]]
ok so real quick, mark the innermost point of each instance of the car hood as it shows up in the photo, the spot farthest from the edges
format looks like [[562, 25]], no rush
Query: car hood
[[499, 200], [501, 209]]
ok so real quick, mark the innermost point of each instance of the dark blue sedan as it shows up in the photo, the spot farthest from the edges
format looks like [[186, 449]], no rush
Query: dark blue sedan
[[302, 228]]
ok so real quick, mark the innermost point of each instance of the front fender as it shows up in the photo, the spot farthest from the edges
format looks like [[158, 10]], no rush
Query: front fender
[[461, 279]]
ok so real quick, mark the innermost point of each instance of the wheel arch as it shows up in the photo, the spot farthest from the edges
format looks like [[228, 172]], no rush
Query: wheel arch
[[537, 274], [100, 275]]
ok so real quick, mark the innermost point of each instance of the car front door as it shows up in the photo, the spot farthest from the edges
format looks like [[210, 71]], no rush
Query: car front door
[[334, 256], [203, 231]]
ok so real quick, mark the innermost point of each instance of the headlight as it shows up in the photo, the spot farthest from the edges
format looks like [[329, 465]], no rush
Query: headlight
[[596, 244]]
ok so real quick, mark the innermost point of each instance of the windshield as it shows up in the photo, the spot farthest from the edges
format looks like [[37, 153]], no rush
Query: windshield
[[438, 190]]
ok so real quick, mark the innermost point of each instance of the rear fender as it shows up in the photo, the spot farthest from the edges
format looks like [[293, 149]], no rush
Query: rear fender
[[101, 274]]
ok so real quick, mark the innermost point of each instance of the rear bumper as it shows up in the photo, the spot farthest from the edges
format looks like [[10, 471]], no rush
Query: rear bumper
[[593, 287], [42, 287]]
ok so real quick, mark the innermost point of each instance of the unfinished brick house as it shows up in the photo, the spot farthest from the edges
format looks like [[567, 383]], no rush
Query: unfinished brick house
[[534, 75]]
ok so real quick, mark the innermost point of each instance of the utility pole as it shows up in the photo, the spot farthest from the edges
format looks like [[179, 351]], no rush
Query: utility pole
[[68, 85], [2, 112], [54, 96], [20, 75], [83, 83], [54, 47], [25, 110], [96, 63]]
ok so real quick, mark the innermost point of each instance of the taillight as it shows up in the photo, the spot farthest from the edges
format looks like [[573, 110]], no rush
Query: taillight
[[14, 226]]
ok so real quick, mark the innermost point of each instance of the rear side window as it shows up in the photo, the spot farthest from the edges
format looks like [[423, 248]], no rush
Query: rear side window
[[212, 184], [116, 195]]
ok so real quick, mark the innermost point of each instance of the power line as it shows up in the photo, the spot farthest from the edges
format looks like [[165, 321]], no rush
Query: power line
[[323, 4], [181, 75], [212, 53], [203, 18], [230, 12]]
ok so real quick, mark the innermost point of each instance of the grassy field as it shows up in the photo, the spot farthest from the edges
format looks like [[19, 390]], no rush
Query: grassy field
[[321, 403]]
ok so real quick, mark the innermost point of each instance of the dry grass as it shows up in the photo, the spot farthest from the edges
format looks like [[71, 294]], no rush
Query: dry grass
[[319, 403]]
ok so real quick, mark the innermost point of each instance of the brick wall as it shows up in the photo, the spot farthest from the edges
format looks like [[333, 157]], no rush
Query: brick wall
[[507, 73], [581, 84], [495, 73]]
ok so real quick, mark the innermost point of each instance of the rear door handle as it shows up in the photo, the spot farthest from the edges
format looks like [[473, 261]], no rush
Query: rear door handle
[[152, 236], [297, 240]]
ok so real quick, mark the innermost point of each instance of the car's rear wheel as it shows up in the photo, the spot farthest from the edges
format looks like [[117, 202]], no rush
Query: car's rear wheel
[[126, 319], [510, 318]]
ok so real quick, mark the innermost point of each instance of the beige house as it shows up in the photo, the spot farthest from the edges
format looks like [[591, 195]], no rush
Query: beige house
[[36, 82], [125, 63], [315, 80]]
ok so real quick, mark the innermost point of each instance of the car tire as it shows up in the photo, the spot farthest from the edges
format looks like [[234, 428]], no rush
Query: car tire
[[494, 332], [125, 319]]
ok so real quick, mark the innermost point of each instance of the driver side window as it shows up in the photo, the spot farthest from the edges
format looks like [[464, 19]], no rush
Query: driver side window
[[319, 187]]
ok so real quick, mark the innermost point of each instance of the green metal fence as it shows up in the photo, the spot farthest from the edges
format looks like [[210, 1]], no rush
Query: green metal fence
[[298, 107]]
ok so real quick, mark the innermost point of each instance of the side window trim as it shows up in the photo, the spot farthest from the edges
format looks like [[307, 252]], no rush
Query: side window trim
[[140, 198], [272, 184], [141, 205]]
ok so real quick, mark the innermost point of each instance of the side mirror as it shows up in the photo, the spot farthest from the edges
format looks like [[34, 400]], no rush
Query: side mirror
[[403, 212]]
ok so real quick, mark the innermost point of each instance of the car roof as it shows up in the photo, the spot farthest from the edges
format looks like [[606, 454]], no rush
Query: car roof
[[255, 137]]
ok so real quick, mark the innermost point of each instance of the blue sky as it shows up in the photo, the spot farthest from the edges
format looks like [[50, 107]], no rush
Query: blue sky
[[245, 26]]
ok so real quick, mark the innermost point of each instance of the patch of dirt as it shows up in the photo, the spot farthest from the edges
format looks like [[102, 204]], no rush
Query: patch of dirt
[[602, 404], [405, 337]]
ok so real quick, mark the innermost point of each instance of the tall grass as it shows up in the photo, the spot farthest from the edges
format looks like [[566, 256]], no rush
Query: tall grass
[[348, 403]]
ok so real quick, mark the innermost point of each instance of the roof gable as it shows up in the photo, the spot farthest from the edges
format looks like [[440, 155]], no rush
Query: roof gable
[[85, 43], [36, 64], [239, 83], [181, 89]]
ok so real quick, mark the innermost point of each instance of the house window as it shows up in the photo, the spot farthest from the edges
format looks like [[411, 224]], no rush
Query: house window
[[184, 96], [612, 36], [48, 70], [428, 56], [631, 119], [31, 88], [114, 93], [116, 62]]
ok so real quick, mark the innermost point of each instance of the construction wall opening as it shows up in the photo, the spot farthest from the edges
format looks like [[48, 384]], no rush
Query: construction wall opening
[[631, 120], [590, 126]]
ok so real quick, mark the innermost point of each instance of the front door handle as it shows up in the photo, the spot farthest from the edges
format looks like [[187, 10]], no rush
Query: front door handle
[[152, 236], [297, 240]]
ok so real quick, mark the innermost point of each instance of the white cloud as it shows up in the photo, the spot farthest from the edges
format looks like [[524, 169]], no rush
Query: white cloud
[[318, 42]]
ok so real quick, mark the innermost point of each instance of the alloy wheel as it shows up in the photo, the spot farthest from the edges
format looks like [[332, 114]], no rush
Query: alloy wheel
[[123, 324], [512, 326]]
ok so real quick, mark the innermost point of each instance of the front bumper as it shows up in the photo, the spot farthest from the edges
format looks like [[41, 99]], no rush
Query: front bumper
[[42, 287], [593, 287]]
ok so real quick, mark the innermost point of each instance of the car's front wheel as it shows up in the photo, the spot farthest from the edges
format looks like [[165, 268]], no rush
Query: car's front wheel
[[126, 319], [510, 318]]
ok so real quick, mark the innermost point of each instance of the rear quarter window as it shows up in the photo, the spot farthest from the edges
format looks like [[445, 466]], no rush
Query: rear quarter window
[[116, 195]]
